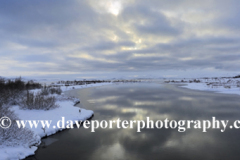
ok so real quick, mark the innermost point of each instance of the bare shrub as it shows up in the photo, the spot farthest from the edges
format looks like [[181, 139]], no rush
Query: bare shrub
[[227, 86], [32, 85], [45, 90], [14, 136], [55, 90], [38, 101], [11, 97]]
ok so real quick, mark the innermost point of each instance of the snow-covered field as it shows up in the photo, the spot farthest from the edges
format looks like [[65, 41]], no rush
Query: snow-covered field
[[65, 109], [220, 85]]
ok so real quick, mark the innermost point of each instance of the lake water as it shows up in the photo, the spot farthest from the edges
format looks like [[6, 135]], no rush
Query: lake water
[[157, 101]]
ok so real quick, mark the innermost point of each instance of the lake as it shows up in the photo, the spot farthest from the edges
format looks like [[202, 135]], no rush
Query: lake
[[136, 101]]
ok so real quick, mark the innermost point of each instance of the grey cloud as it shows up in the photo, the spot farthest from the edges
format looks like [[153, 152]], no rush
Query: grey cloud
[[50, 32], [108, 45], [147, 21], [157, 27]]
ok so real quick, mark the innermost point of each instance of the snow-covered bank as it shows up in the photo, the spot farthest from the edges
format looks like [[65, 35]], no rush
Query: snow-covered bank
[[219, 89], [20, 152], [65, 109], [220, 85]]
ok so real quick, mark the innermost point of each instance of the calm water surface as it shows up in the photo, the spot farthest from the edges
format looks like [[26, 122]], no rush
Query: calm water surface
[[157, 101]]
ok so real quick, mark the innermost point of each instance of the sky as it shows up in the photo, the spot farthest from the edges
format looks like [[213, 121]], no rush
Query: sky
[[119, 38]]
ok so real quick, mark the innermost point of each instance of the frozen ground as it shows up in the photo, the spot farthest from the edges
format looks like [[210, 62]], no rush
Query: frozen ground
[[66, 110], [220, 85]]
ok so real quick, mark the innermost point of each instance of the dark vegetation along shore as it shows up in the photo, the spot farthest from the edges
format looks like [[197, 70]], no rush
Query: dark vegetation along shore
[[14, 92], [28, 95], [17, 92]]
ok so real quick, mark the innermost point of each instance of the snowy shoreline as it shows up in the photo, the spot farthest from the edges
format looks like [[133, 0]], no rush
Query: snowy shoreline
[[204, 87], [66, 109], [218, 85]]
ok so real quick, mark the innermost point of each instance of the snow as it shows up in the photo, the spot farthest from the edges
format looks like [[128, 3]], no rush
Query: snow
[[67, 88], [220, 89], [19, 152], [65, 109], [219, 85]]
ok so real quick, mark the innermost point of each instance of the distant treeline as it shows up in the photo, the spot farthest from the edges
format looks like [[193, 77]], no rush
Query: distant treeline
[[75, 82], [238, 76], [18, 84], [84, 82], [12, 89]]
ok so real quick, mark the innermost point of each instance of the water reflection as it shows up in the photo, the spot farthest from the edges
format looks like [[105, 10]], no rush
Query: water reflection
[[138, 101]]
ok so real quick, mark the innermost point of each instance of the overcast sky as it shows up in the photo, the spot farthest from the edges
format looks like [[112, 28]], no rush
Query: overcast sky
[[117, 38]]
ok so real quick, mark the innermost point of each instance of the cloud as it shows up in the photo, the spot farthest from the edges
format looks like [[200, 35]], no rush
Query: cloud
[[115, 37], [148, 21]]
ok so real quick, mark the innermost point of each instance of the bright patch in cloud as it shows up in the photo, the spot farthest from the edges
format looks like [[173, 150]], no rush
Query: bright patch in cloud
[[114, 7]]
